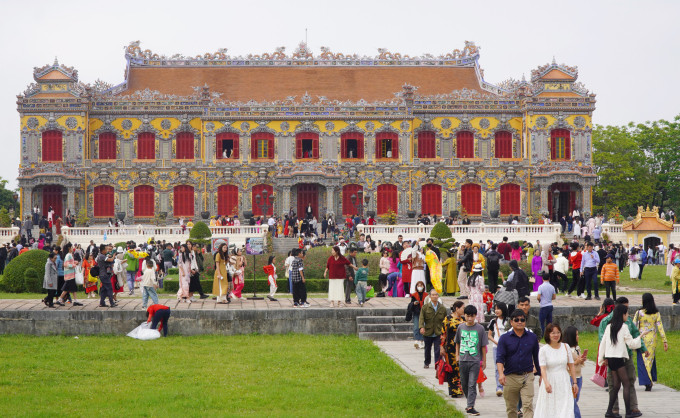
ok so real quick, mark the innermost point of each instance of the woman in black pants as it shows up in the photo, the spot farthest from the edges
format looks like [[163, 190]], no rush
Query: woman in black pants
[[158, 316]]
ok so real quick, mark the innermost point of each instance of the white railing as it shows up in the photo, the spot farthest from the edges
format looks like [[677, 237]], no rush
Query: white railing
[[6, 234], [476, 232]]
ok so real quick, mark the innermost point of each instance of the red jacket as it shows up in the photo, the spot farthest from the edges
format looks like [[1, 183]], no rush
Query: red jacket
[[575, 260], [152, 310]]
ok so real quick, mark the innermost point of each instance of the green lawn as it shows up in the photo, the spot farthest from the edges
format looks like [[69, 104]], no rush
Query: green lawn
[[653, 277], [667, 363], [252, 375]]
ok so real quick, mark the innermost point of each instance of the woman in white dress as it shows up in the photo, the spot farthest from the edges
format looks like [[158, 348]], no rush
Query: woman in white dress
[[634, 261], [577, 229], [556, 391], [418, 263]]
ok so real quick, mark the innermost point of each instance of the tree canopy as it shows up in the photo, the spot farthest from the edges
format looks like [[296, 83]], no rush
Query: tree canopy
[[638, 164]]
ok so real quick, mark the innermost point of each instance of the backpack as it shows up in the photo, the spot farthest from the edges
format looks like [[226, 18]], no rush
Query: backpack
[[493, 259], [94, 271]]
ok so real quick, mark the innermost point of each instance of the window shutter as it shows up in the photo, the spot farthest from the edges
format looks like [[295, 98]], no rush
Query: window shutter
[[270, 148], [567, 145], [218, 146], [343, 147], [298, 147], [395, 146], [553, 146], [237, 147], [315, 147], [253, 147], [360, 146], [378, 146]]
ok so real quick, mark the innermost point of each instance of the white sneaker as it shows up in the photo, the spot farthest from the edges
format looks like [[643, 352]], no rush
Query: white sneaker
[[422, 344], [582, 296]]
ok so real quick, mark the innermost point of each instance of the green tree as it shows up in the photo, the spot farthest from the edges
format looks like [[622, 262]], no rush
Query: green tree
[[200, 233], [5, 220], [620, 164], [7, 197]]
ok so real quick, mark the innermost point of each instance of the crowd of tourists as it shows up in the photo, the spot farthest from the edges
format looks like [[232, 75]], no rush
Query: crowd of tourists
[[462, 347]]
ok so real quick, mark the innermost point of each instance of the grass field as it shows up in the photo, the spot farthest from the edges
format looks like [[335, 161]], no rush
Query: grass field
[[667, 363], [653, 277], [253, 375]]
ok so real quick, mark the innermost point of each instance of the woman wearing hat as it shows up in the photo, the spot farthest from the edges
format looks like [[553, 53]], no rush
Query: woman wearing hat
[[476, 286], [675, 281]]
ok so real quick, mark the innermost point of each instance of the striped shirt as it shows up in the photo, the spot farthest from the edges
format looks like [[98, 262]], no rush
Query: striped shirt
[[610, 272]]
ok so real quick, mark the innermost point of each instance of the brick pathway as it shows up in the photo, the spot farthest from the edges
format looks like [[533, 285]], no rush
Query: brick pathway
[[661, 402]]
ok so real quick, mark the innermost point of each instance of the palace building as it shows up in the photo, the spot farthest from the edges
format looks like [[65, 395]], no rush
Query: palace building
[[341, 133]]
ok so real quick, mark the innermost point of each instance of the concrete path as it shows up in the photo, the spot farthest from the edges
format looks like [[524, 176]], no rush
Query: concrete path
[[661, 402]]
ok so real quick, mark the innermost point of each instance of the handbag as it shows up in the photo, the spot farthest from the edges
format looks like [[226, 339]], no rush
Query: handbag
[[80, 278], [573, 391], [409, 312]]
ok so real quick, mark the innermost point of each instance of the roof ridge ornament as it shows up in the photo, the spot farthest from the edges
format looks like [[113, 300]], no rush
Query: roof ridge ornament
[[541, 71], [465, 57]]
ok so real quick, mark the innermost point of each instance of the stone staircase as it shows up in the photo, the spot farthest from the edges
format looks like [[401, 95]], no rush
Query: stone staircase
[[283, 245], [384, 328]]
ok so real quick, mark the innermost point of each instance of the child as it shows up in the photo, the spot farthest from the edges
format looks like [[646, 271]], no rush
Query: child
[[471, 341], [149, 284], [488, 299], [609, 274], [361, 280], [158, 316], [297, 275], [90, 282], [270, 271], [546, 294]]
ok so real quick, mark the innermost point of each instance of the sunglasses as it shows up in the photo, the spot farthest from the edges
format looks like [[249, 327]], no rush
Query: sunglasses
[[519, 320]]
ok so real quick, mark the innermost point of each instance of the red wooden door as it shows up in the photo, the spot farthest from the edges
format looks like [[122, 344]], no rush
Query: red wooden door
[[387, 199], [52, 196], [431, 199], [227, 200], [307, 194], [144, 204], [471, 198]]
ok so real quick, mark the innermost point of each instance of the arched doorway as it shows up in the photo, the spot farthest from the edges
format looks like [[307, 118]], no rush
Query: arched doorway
[[562, 199], [307, 195], [651, 241], [53, 196]]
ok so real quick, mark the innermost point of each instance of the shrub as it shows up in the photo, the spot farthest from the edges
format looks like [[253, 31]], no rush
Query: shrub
[[120, 244], [200, 233], [440, 230], [32, 282], [389, 218], [173, 270], [447, 245], [438, 243], [31, 263], [505, 269], [313, 285]]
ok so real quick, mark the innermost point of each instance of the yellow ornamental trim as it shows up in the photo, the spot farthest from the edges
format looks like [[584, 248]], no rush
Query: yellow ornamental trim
[[95, 124], [580, 121], [67, 122], [133, 125], [162, 126], [32, 126], [164, 184], [123, 184], [196, 123], [486, 130], [375, 125], [446, 126], [533, 121], [516, 124]]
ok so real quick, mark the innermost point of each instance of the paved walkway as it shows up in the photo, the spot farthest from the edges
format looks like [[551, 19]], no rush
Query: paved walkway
[[135, 302], [661, 402]]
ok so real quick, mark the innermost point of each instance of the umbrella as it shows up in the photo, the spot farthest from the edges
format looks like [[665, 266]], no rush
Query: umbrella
[[406, 253]]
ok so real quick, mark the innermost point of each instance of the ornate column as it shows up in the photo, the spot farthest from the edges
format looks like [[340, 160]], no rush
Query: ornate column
[[330, 199], [70, 199], [587, 198], [544, 199], [285, 206], [27, 204]]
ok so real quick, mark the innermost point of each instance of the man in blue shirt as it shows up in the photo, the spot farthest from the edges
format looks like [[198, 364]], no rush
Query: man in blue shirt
[[589, 262], [643, 261], [517, 362]]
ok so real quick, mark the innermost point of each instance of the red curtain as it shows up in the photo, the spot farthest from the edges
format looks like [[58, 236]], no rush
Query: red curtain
[[510, 199], [53, 196], [103, 202], [51, 146], [258, 136], [431, 196], [503, 144], [183, 201], [299, 152], [227, 136], [347, 191], [382, 136], [471, 198], [146, 146], [387, 198], [107, 146], [258, 189], [227, 200], [554, 152], [359, 137], [465, 144], [144, 202], [185, 146], [427, 147]]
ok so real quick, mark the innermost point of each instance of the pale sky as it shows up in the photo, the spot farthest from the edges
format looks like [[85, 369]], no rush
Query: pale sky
[[627, 52]]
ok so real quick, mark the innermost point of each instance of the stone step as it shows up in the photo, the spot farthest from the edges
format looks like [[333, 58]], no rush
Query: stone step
[[405, 327], [380, 319], [386, 336]]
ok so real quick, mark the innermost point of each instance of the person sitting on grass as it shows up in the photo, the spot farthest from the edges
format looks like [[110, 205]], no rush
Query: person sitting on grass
[[361, 280], [149, 284], [158, 316]]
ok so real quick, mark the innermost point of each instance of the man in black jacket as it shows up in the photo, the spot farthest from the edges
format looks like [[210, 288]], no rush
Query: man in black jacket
[[493, 265], [520, 280], [3, 258]]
